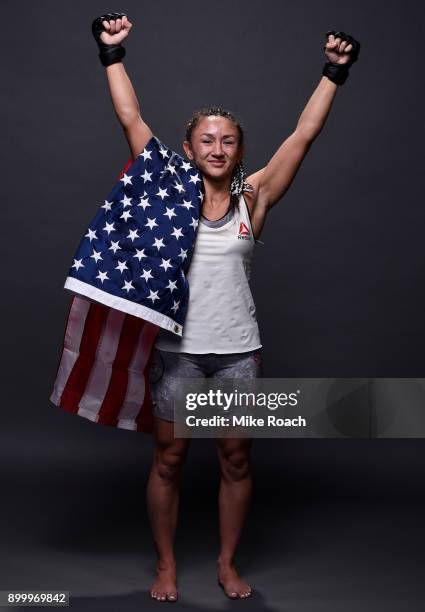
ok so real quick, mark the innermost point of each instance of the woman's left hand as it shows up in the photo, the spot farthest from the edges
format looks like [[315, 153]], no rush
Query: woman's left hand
[[338, 49]]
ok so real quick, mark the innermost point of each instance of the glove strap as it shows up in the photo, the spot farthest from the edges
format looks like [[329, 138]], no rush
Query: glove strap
[[111, 54], [338, 73]]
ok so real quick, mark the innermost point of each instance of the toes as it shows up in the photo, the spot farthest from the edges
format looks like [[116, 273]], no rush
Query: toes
[[161, 596], [240, 591], [244, 593]]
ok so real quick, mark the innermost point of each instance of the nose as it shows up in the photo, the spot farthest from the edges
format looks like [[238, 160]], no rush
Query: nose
[[217, 149]]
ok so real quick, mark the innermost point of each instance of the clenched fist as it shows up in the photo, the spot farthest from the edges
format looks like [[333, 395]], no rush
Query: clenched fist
[[341, 48], [111, 28], [341, 51]]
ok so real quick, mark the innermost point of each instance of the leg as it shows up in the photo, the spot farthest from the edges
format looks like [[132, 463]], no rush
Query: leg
[[167, 369], [236, 481], [234, 497], [162, 502]]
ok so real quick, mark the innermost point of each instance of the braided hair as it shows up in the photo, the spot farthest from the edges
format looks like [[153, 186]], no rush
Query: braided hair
[[238, 183]]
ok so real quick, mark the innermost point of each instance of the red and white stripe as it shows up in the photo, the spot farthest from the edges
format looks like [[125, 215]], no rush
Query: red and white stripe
[[103, 373]]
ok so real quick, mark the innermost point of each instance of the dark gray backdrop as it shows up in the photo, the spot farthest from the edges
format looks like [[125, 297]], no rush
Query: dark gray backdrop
[[339, 288]]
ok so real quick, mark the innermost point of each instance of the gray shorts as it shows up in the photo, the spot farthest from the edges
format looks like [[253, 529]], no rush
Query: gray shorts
[[167, 367]]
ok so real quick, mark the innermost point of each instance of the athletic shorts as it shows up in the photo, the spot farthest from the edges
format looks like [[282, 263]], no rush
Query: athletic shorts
[[168, 367]]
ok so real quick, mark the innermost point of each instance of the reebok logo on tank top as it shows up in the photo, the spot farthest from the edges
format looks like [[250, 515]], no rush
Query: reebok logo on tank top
[[243, 231]]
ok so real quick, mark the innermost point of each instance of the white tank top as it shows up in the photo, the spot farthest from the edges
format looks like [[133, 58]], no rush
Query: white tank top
[[221, 316]]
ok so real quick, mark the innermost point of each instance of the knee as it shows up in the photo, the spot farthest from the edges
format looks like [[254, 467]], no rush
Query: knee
[[168, 464], [235, 465]]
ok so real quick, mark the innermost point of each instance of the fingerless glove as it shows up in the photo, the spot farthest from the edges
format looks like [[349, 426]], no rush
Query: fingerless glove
[[338, 73], [109, 54]]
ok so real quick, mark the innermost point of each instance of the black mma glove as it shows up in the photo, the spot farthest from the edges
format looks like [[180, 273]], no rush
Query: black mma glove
[[109, 54], [338, 73]]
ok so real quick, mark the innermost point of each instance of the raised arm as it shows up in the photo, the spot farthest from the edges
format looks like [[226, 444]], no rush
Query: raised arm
[[273, 180], [279, 173], [109, 31], [127, 109]]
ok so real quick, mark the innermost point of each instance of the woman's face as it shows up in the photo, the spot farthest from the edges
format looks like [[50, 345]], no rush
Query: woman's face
[[215, 146]]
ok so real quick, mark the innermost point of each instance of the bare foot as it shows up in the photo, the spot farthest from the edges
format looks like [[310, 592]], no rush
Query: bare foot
[[231, 583], [165, 586]]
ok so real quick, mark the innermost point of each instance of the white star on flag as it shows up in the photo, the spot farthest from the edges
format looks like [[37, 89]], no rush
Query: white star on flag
[[121, 266], [126, 201], [147, 176], [194, 178], [109, 227], [115, 246], [147, 274], [171, 285], [126, 214], [133, 234], [162, 193], [96, 255], [146, 154], [187, 204], [140, 253], [153, 295], [158, 243], [107, 206], [77, 264], [151, 223], [171, 169], [165, 264], [91, 235], [177, 232], [103, 276], [143, 202], [126, 179], [179, 187], [128, 285], [169, 213], [163, 152]]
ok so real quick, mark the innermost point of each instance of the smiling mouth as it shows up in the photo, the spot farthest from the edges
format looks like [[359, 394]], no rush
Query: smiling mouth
[[217, 163]]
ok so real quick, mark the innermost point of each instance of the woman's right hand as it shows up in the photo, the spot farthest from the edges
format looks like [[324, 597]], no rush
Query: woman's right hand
[[111, 28]]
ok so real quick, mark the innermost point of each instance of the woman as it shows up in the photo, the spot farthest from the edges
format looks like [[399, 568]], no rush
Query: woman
[[221, 337]]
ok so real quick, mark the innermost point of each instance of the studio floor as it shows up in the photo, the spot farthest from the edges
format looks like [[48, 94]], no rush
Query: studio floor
[[334, 524]]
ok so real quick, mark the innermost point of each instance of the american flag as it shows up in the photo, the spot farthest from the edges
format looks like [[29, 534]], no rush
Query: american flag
[[128, 280]]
